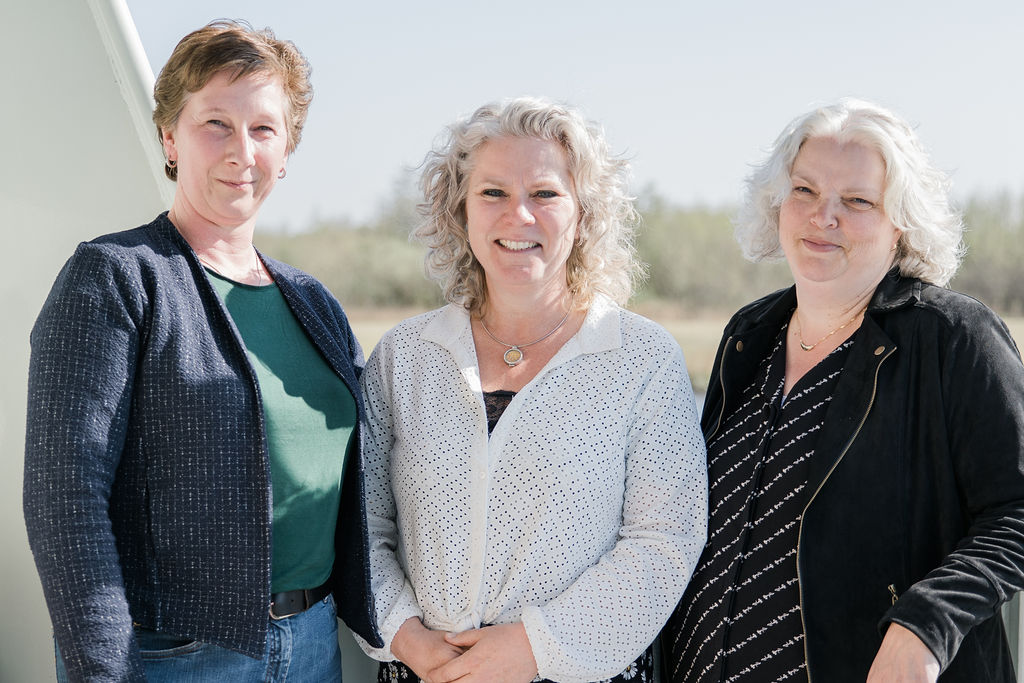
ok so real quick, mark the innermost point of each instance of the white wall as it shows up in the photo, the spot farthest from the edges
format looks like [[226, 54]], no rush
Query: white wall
[[73, 168], [80, 158]]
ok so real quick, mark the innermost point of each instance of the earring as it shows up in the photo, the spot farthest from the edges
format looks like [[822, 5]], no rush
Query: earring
[[282, 174], [172, 162]]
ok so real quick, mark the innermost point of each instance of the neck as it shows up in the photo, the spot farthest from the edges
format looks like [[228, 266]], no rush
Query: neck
[[521, 318], [226, 249], [205, 236]]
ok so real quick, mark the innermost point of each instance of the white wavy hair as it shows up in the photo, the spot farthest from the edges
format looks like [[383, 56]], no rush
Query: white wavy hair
[[603, 259], [916, 199]]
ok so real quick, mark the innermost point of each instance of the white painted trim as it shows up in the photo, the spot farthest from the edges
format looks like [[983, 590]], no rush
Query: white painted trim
[[135, 79], [1020, 636]]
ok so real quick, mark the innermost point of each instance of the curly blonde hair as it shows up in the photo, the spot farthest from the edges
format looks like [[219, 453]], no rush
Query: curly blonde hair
[[917, 201], [603, 259]]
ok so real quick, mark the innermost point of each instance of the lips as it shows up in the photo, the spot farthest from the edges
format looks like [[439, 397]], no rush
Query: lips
[[819, 245], [513, 245]]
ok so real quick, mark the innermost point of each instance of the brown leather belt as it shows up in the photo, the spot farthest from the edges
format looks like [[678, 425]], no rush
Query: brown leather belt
[[290, 603]]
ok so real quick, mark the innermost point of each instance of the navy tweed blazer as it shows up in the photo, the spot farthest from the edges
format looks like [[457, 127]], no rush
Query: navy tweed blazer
[[147, 492]]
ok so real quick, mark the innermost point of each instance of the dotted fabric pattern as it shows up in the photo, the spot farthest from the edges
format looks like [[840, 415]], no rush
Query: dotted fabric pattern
[[582, 516]]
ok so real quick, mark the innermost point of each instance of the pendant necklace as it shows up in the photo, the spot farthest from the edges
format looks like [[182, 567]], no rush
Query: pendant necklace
[[514, 355], [810, 347], [259, 271]]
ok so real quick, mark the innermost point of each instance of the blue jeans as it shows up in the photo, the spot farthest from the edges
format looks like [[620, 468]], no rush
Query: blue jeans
[[300, 649]]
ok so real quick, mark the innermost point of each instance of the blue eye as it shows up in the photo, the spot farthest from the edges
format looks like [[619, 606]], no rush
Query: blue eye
[[493, 193], [545, 194]]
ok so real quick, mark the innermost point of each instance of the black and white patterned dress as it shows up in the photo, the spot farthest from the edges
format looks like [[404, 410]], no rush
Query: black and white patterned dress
[[740, 617]]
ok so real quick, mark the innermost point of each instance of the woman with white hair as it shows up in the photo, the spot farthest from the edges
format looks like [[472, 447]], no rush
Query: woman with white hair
[[865, 433], [535, 475]]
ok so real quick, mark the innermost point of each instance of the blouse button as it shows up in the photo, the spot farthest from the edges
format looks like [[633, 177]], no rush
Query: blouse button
[[879, 350], [739, 346]]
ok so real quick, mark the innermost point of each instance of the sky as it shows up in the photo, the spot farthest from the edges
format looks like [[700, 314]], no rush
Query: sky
[[692, 93]]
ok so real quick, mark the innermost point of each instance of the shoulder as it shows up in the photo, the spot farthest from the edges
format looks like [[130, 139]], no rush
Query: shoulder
[[620, 343], [295, 278], [441, 323], [406, 349], [954, 308], [122, 264], [924, 304], [305, 293], [146, 244], [951, 323], [644, 335], [766, 309]]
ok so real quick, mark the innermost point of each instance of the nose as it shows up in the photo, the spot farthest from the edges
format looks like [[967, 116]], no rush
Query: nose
[[242, 150], [521, 212], [825, 214]]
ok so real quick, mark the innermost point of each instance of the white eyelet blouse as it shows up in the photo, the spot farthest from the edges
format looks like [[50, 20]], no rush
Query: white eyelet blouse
[[582, 515]]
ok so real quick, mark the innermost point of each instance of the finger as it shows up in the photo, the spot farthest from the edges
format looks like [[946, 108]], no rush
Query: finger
[[465, 639], [452, 670]]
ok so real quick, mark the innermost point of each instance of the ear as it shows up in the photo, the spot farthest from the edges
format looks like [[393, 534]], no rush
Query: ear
[[167, 137]]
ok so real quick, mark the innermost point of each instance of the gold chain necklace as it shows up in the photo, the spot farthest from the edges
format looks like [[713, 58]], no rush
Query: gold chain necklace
[[514, 354], [810, 347]]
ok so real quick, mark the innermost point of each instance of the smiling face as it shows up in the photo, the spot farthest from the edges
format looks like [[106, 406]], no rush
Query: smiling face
[[522, 214], [230, 143], [832, 225]]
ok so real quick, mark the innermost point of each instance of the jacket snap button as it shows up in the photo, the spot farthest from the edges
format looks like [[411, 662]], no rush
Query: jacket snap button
[[739, 346], [879, 350]]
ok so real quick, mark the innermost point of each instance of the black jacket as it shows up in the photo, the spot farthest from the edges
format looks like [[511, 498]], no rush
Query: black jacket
[[918, 487], [147, 490]]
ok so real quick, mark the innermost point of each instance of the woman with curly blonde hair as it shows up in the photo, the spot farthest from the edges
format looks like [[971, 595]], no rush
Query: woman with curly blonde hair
[[535, 479]]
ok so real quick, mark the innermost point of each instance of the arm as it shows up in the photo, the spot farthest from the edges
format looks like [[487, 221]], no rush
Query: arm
[[398, 613], [616, 607], [903, 658], [982, 385], [84, 348]]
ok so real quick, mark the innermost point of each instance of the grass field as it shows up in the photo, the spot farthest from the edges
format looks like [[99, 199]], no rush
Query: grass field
[[698, 336]]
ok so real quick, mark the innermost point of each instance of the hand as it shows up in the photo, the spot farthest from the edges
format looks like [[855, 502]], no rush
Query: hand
[[422, 649], [903, 658], [493, 654]]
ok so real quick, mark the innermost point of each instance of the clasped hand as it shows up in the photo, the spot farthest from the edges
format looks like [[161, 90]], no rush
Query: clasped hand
[[492, 654]]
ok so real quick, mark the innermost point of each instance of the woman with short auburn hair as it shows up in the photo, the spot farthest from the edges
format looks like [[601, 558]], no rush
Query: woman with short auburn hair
[[193, 484]]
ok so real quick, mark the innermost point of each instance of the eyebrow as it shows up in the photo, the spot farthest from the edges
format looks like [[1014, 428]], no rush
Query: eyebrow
[[550, 178], [865, 191]]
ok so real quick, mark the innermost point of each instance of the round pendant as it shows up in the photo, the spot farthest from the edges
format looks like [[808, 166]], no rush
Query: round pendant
[[513, 356]]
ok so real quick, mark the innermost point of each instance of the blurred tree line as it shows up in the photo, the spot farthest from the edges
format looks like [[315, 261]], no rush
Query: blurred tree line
[[694, 264]]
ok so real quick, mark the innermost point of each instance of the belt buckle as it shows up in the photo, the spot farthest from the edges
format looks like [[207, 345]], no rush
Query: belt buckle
[[303, 608], [275, 617]]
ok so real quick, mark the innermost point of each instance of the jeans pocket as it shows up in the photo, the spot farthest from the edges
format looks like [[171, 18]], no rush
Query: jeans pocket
[[157, 645]]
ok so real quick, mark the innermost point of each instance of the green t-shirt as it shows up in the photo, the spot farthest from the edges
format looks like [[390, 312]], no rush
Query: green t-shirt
[[310, 417]]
